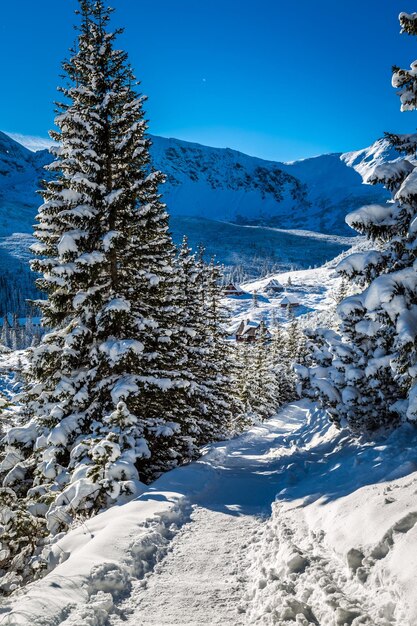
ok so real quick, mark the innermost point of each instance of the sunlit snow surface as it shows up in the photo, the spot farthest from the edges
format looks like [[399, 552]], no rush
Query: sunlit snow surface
[[198, 546], [207, 189], [293, 522], [316, 290]]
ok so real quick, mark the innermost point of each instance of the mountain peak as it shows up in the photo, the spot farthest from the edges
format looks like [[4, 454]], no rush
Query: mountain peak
[[30, 142], [364, 161], [11, 147]]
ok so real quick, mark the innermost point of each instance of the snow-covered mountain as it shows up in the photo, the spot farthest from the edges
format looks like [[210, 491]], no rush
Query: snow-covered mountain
[[221, 184], [215, 196], [20, 173]]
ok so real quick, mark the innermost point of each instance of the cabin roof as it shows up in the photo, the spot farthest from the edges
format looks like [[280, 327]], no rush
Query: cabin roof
[[289, 298], [246, 326], [273, 283], [233, 289], [249, 327]]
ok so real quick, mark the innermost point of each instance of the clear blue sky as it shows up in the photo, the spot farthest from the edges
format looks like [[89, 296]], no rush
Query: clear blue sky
[[281, 79]]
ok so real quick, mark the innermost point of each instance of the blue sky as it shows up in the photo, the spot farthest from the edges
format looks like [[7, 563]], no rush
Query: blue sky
[[278, 79]]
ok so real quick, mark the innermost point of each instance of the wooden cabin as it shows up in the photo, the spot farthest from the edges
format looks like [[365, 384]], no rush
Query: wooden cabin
[[273, 287], [250, 331], [232, 290], [289, 300]]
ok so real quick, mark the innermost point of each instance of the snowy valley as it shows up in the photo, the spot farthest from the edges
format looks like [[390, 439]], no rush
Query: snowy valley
[[250, 214], [208, 405], [300, 522]]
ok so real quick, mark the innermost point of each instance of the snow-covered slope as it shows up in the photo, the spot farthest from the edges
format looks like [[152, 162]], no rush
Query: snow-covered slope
[[364, 161], [195, 547], [205, 189], [223, 184], [20, 175], [334, 189], [201, 182], [316, 290], [340, 547]]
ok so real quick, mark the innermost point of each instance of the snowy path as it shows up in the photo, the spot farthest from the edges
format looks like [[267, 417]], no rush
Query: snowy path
[[297, 578], [201, 581], [200, 547], [233, 564]]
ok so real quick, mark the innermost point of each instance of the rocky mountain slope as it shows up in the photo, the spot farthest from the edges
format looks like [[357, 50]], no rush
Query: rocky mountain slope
[[233, 203], [220, 184]]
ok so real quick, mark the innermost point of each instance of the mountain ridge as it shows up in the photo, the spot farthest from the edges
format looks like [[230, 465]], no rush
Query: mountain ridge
[[228, 185], [213, 195]]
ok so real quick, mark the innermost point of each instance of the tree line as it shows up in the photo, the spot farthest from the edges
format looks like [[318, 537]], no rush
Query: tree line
[[135, 372]]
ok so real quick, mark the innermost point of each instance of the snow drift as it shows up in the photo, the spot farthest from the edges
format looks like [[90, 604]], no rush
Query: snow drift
[[339, 548]]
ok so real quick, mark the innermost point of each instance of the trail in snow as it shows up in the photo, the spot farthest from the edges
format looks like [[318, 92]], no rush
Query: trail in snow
[[339, 547], [232, 564], [296, 577], [201, 548], [201, 582]]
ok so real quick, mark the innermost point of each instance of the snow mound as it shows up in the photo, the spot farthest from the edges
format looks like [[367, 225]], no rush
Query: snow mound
[[340, 546], [94, 565]]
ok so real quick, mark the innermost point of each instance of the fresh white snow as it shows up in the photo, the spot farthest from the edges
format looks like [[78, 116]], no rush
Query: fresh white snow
[[200, 545], [314, 289], [115, 553]]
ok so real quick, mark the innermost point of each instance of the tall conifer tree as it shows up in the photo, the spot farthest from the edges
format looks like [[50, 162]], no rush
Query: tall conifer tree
[[110, 388]]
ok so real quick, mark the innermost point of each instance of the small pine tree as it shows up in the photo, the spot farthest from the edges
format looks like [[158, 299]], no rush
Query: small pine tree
[[341, 292], [22, 530], [16, 339], [208, 352], [281, 364], [256, 379], [264, 380], [243, 379], [6, 332], [221, 356]]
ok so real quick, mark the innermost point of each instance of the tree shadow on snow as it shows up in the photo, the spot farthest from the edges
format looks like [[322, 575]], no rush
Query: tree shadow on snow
[[314, 461]]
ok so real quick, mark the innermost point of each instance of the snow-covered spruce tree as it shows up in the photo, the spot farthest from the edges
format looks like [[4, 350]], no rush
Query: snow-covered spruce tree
[[295, 341], [244, 375], [110, 391], [257, 386], [6, 332], [281, 362], [264, 379], [371, 379], [209, 355], [21, 531], [221, 361], [264, 374]]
